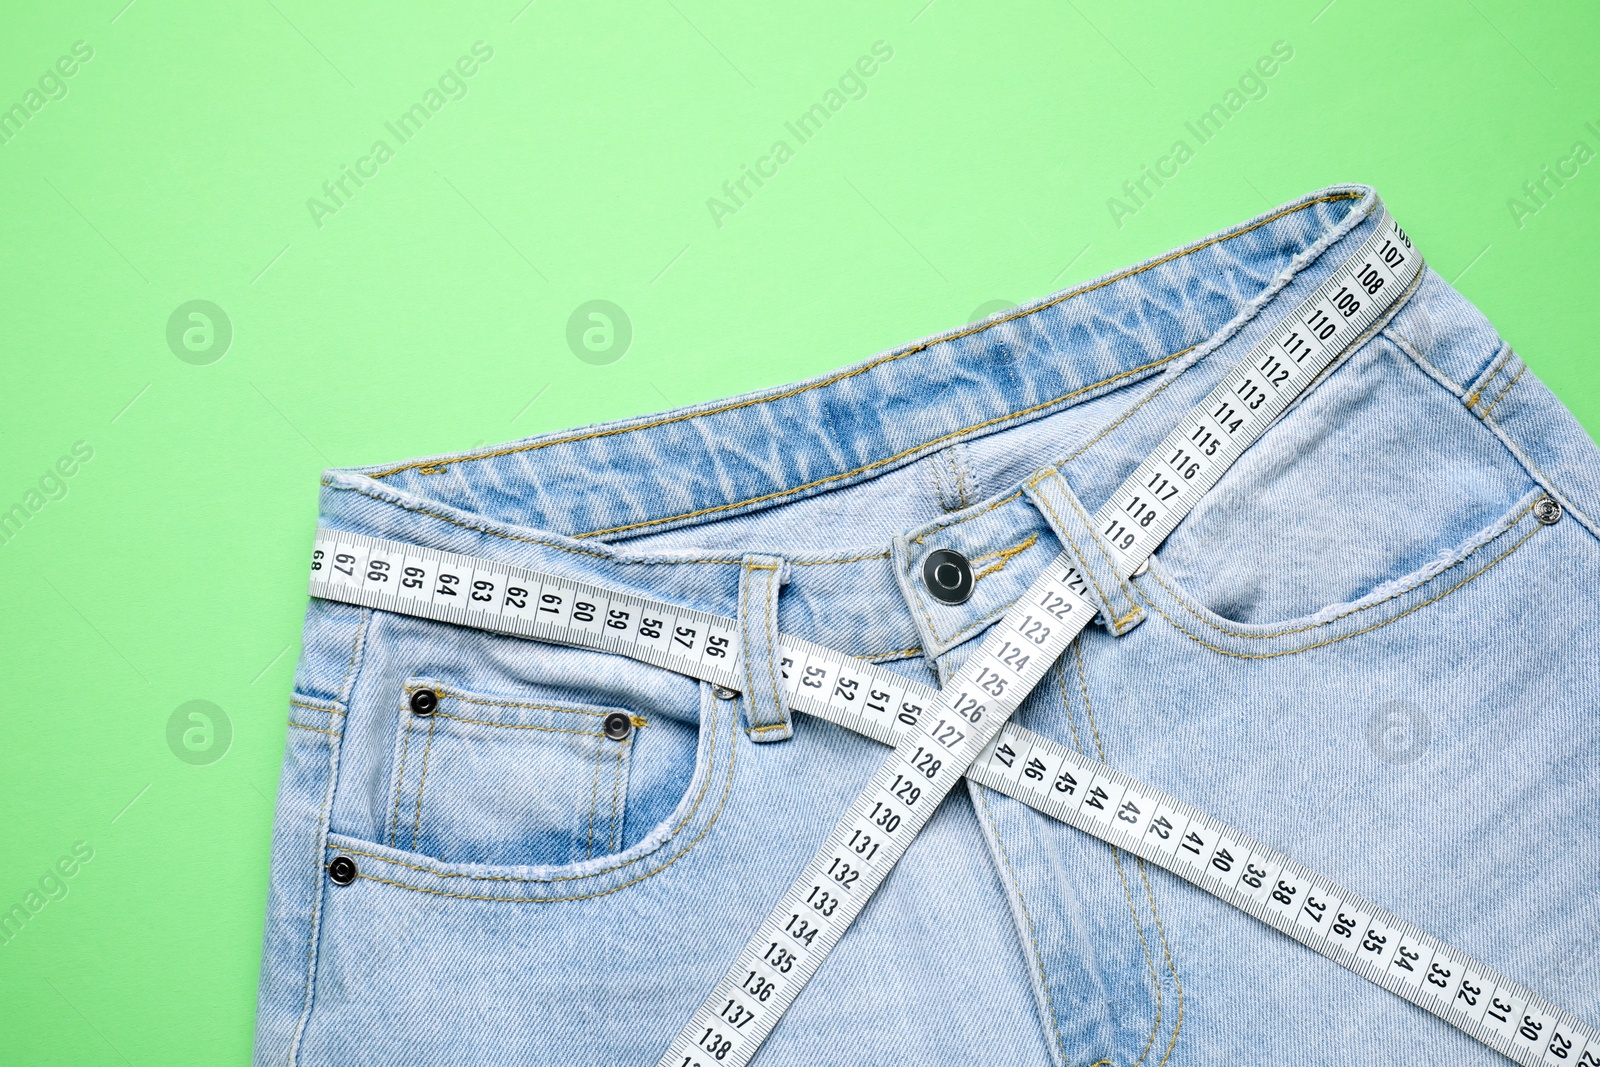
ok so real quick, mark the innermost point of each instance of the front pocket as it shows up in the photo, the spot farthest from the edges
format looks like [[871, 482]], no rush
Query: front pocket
[[1377, 477], [1397, 599], [486, 779]]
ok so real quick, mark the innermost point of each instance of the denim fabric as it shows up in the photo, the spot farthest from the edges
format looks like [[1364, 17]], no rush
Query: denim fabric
[[1362, 648]]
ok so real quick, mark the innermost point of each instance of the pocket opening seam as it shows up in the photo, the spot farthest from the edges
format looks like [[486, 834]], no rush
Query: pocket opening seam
[[1505, 440], [457, 695], [1184, 599], [1342, 637], [727, 789], [519, 725], [711, 770], [445, 692]]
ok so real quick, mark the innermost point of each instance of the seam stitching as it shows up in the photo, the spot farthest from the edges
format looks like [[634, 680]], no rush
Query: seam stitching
[[545, 543], [972, 627], [1488, 379], [1033, 935], [1004, 555], [771, 613], [464, 698], [1088, 707], [355, 654], [1126, 415], [1406, 345], [314, 927], [400, 780], [749, 660], [297, 703], [1172, 967], [976, 624], [925, 446], [1149, 960], [427, 751], [594, 801], [1502, 394], [479, 527], [1077, 741], [889, 358], [1066, 702], [830, 562], [508, 726], [945, 524], [616, 791], [1514, 446]]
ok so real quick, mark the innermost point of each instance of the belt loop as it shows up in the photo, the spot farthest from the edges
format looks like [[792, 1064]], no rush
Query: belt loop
[[766, 712], [1050, 493]]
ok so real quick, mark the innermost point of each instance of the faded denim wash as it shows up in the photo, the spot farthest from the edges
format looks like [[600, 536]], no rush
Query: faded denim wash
[[1362, 646]]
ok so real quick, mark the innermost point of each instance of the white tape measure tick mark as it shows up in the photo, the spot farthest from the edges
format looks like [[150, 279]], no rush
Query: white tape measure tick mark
[[939, 735]]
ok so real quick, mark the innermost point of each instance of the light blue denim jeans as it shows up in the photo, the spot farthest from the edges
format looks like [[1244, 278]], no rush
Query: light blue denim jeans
[[1363, 645]]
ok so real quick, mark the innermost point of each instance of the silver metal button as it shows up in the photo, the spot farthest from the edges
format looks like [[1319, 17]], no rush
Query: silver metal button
[[342, 870], [618, 726], [1547, 510], [948, 576], [722, 692]]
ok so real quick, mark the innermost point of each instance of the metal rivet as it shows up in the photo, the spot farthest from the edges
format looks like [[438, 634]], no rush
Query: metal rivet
[[424, 702], [618, 726], [342, 870], [1547, 510], [947, 575], [722, 692]]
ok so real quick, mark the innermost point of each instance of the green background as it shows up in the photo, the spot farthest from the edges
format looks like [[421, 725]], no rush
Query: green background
[[429, 312]]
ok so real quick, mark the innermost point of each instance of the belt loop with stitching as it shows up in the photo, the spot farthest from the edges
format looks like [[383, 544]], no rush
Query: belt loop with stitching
[[1050, 493], [767, 714]]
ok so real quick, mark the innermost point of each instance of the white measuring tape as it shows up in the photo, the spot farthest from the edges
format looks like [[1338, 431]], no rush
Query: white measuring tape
[[939, 735]]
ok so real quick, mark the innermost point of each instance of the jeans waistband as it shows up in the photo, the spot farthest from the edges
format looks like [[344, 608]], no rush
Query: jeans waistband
[[1084, 382]]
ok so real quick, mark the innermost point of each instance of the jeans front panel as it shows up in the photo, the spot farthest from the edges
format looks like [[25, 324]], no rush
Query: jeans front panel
[[1363, 647]]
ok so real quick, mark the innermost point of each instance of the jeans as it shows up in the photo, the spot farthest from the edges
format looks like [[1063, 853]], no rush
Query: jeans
[[1364, 644]]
